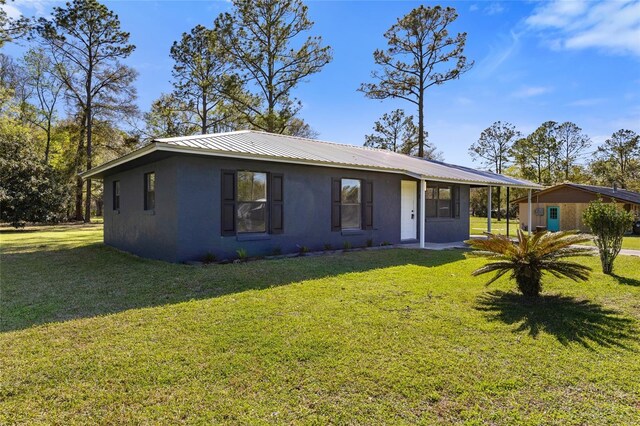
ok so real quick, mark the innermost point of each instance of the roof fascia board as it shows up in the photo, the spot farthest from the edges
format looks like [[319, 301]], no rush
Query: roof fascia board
[[148, 149]]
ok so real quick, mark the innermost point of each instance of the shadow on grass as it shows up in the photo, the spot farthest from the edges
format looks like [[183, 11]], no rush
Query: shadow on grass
[[626, 280], [570, 320], [56, 285]]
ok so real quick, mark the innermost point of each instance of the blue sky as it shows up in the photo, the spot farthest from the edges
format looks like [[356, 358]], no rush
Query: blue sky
[[534, 61]]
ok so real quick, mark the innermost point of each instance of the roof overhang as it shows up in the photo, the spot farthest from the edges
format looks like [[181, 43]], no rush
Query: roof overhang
[[156, 146]]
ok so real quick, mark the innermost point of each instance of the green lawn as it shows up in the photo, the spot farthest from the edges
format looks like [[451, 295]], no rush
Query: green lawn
[[90, 334], [631, 242], [478, 225]]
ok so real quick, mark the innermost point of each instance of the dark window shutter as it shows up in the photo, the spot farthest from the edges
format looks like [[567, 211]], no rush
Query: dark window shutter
[[367, 205], [228, 207], [336, 187], [277, 203]]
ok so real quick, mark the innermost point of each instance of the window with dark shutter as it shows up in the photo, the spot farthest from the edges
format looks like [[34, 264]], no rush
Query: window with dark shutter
[[336, 187], [149, 191], [276, 215], [367, 205], [251, 202], [228, 207], [351, 204], [116, 195]]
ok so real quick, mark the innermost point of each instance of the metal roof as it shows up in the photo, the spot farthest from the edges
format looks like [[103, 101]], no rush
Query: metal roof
[[290, 149]]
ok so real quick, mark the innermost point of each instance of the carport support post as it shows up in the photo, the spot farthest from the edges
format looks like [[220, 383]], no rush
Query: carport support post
[[529, 208], [508, 216], [423, 190], [489, 210]]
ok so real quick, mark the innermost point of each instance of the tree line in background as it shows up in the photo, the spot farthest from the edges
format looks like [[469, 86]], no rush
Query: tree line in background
[[555, 153], [70, 102]]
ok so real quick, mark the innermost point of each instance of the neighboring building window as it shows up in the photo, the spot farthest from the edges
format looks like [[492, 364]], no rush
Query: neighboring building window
[[149, 191], [442, 200], [116, 195], [350, 200], [251, 208]]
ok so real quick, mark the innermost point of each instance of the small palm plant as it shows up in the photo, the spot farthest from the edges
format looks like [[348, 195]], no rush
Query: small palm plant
[[530, 256]]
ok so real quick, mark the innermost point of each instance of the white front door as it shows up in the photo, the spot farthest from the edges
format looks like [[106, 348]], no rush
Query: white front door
[[408, 212]]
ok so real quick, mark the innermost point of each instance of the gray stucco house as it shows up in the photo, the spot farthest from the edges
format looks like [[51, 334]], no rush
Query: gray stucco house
[[177, 199]]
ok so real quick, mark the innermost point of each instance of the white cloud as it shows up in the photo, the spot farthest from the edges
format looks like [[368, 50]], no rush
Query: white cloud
[[494, 8], [531, 91], [11, 11], [556, 14], [18, 8], [612, 26]]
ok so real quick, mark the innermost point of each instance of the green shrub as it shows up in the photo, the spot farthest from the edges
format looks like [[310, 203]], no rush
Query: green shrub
[[532, 255], [328, 247], [369, 242], [30, 190], [346, 245], [608, 225], [242, 254], [276, 251], [302, 250]]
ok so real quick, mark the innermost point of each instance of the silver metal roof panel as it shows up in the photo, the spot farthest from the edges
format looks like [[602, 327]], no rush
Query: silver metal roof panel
[[290, 149]]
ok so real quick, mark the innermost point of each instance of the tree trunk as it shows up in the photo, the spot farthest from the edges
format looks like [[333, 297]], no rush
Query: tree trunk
[[78, 167], [99, 206], [421, 125], [87, 201], [204, 113], [46, 149], [79, 186]]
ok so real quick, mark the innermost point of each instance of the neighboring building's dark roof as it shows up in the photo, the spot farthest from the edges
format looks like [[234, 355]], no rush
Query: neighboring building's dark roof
[[605, 191], [264, 146]]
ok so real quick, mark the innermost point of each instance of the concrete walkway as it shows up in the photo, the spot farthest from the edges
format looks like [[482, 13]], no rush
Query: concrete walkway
[[462, 245], [436, 246], [626, 252]]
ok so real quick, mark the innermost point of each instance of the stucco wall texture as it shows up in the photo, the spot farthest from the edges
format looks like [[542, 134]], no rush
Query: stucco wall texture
[[185, 224]]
